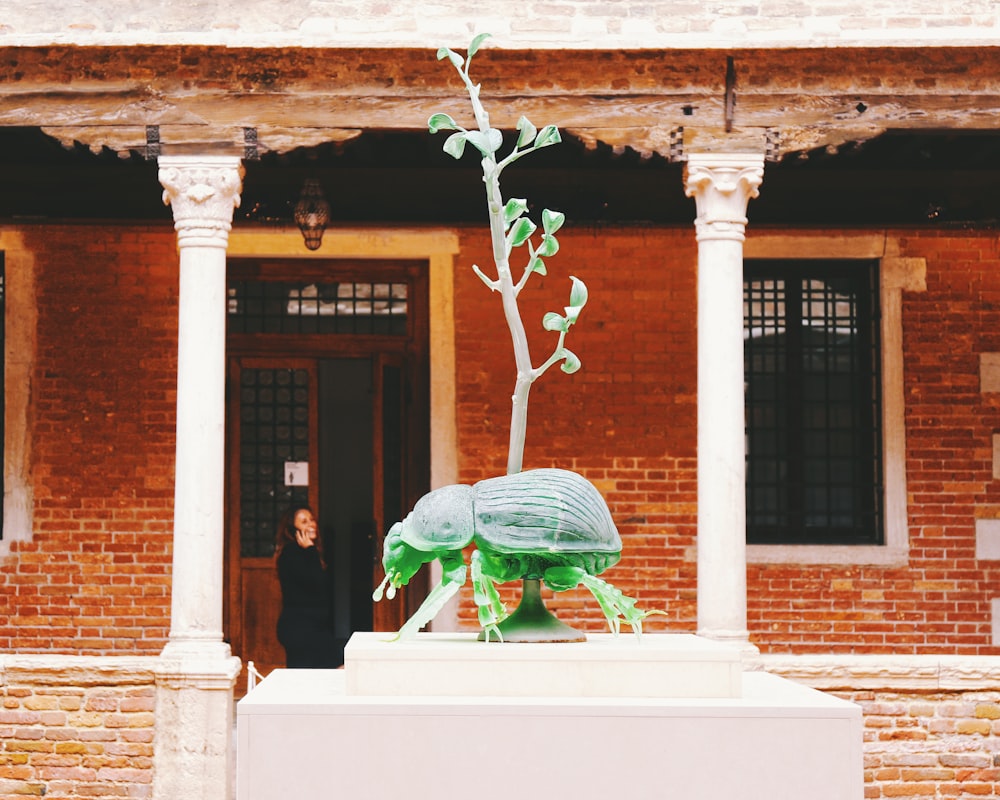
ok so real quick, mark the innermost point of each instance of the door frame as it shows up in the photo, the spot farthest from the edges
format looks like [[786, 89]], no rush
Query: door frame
[[411, 349], [438, 247]]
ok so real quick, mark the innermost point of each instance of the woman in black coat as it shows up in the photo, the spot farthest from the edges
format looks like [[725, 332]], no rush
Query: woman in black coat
[[304, 626]]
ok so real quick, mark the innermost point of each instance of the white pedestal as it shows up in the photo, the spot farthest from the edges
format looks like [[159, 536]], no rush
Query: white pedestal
[[301, 734], [457, 665]]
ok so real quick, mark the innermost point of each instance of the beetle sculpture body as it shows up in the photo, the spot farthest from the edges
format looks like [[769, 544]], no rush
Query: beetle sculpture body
[[545, 524]]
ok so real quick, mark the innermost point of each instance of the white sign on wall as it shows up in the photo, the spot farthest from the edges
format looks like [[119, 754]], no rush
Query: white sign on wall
[[296, 473]]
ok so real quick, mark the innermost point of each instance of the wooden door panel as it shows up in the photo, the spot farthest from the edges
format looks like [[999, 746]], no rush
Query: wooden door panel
[[261, 594], [271, 418]]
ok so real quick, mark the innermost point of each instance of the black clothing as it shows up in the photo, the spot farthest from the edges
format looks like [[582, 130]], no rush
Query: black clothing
[[304, 627]]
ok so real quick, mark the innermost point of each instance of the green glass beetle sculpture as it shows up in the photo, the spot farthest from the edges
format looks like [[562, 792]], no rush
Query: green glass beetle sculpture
[[550, 525]]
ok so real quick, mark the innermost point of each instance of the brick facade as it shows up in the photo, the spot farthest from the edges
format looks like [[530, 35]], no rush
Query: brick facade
[[93, 578], [85, 574], [76, 727], [937, 745], [628, 418]]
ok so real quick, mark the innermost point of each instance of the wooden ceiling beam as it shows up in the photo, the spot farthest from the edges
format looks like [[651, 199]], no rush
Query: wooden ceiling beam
[[200, 96]]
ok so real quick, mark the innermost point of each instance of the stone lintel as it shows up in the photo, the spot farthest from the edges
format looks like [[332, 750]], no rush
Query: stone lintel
[[887, 671], [84, 671]]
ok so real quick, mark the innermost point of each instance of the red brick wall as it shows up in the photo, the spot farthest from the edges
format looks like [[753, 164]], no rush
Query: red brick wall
[[94, 578], [77, 729], [628, 422], [940, 744], [940, 603]]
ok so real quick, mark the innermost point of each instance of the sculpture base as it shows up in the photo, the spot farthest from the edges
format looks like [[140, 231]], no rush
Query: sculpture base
[[778, 740], [533, 622], [455, 664]]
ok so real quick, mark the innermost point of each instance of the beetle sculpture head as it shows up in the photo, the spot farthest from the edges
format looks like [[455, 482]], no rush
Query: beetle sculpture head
[[440, 523]]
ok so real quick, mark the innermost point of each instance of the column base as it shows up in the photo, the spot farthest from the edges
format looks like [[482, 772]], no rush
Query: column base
[[738, 639], [187, 648], [194, 719]]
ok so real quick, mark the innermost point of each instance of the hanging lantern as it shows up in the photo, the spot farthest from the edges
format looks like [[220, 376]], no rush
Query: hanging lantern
[[312, 212]]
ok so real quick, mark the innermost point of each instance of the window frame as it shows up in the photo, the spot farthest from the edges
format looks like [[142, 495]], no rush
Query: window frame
[[792, 285], [896, 274], [20, 321]]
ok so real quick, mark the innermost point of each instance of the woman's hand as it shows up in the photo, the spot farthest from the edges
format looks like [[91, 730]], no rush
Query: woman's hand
[[304, 538]]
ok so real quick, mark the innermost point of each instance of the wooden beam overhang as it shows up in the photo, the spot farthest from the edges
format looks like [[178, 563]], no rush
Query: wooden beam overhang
[[206, 97]]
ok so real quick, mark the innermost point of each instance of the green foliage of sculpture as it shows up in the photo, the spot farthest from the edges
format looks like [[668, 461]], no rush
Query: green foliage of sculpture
[[547, 525]]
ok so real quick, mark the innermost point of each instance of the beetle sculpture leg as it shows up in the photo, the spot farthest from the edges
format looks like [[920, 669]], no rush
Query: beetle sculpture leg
[[491, 608], [617, 606], [452, 579]]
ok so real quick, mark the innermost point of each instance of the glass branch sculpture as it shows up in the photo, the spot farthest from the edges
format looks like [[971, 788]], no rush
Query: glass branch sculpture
[[547, 525]]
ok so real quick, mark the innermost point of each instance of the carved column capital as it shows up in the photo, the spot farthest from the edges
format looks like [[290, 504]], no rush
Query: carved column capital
[[722, 184], [203, 192]]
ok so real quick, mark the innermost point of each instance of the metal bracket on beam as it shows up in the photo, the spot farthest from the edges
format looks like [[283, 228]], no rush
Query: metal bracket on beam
[[676, 145], [772, 144], [250, 151], [153, 147]]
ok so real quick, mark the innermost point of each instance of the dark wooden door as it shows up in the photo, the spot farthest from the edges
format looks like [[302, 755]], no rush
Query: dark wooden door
[[329, 412]]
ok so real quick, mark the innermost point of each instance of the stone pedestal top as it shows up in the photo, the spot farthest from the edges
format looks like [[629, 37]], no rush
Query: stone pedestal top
[[457, 665]]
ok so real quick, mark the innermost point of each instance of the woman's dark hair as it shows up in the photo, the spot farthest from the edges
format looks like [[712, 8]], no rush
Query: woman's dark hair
[[286, 532]]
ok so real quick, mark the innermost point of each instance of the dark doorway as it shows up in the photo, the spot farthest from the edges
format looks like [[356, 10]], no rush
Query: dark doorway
[[328, 405]]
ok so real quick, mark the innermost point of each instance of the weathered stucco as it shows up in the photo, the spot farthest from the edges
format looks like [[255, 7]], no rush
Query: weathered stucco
[[555, 24]]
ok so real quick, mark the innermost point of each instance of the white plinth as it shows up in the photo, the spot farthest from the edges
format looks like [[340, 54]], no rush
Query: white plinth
[[301, 734], [457, 665]]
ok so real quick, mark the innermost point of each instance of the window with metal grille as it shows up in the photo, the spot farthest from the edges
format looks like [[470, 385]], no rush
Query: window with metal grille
[[274, 421], [813, 405], [295, 307]]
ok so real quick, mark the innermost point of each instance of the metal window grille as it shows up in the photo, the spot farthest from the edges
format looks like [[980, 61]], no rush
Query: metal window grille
[[295, 307], [274, 429], [813, 405]]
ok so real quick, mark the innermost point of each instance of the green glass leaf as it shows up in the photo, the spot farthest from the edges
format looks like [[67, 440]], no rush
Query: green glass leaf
[[487, 144], [552, 220], [477, 43], [441, 122], [553, 322], [527, 132], [572, 314], [548, 135], [578, 294], [537, 265], [452, 56], [549, 246], [454, 145], [515, 208], [520, 232], [571, 363]]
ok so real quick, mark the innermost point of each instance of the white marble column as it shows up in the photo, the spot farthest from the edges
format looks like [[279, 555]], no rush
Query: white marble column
[[196, 674], [721, 184], [203, 191]]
